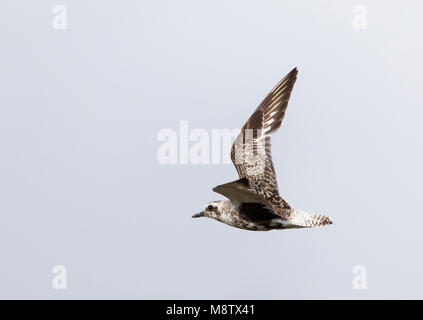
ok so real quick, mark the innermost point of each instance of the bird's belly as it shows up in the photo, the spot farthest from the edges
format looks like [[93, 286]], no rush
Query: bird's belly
[[238, 222]]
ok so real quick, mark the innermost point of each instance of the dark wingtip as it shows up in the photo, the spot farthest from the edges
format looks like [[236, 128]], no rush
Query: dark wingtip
[[292, 75]]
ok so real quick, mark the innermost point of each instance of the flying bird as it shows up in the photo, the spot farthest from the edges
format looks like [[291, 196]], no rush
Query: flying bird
[[254, 201]]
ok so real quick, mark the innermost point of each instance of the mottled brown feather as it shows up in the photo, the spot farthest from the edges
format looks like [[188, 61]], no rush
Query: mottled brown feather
[[254, 140]]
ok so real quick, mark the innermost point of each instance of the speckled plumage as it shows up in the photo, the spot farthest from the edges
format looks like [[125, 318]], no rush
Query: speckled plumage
[[254, 201]]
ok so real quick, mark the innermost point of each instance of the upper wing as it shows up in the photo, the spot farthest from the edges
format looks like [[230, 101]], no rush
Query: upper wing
[[251, 151]]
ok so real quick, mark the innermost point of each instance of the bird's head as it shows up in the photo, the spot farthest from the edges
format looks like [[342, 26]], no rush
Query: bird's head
[[211, 210]]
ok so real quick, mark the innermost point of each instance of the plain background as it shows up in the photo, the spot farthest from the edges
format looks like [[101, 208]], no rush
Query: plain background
[[80, 184]]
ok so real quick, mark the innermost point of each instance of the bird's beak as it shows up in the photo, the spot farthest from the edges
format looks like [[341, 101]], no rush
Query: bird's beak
[[198, 215]]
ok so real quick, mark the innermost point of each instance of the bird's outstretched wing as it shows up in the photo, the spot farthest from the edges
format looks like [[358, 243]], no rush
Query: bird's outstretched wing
[[251, 151]]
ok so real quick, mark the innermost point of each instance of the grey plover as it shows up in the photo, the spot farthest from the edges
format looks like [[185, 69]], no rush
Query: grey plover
[[254, 201]]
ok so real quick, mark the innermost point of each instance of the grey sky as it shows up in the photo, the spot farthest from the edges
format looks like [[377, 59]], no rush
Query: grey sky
[[80, 184]]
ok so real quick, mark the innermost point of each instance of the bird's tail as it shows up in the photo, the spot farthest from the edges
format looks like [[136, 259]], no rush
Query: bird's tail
[[308, 220]]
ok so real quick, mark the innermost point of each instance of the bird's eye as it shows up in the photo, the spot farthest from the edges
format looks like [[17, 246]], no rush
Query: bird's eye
[[210, 207]]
